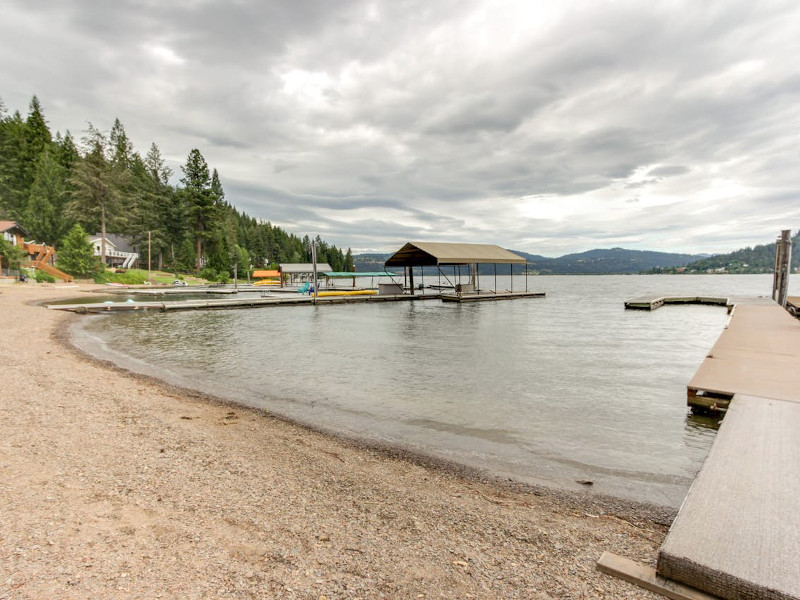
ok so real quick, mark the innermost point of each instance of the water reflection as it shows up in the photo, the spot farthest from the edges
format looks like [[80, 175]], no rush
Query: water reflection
[[551, 390]]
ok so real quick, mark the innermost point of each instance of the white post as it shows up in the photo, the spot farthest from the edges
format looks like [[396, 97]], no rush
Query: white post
[[148, 256], [314, 262]]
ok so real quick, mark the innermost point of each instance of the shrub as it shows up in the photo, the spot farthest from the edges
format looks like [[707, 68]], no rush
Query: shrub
[[42, 277], [76, 255]]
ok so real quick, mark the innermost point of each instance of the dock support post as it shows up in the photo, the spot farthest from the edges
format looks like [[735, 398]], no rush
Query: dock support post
[[783, 256]]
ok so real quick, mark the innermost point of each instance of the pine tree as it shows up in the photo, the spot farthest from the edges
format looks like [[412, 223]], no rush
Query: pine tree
[[44, 215], [76, 255], [96, 196], [152, 218], [37, 138], [120, 147], [13, 190], [199, 200], [67, 151]]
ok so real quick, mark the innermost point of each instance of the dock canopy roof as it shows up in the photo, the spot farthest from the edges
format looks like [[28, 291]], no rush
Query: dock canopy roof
[[425, 254], [298, 268], [342, 274]]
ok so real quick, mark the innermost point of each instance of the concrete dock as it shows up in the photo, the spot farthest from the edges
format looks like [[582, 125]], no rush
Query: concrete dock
[[737, 535], [652, 302], [757, 354], [738, 532]]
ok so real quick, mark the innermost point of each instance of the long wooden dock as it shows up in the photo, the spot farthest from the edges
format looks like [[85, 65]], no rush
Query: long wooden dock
[[232, 303], [737, 534]]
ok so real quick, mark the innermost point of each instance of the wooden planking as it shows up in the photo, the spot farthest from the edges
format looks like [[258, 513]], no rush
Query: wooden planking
[[646, 577], [756, 354], [737, 534], [226, 303]]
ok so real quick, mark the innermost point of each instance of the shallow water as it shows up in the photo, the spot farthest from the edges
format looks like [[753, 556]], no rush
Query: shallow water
[[545, 390]]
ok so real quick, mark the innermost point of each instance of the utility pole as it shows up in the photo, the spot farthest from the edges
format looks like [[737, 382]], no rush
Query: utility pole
[[148, 256]]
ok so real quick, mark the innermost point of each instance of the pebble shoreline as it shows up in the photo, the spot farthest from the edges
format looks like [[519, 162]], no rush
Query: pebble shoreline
[[115, 485]]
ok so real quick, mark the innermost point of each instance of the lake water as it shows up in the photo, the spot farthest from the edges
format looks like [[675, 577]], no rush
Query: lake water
[[547, 390]]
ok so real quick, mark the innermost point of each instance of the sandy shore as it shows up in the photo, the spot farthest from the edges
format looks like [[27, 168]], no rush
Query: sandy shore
[[117, 486]]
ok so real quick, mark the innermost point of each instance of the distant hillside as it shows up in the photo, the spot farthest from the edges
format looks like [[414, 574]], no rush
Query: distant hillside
[[759, 259], [593, 262], [613, 260]]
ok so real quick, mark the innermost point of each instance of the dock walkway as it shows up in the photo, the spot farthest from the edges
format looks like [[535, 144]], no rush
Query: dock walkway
[[233, 303], [737, 534]]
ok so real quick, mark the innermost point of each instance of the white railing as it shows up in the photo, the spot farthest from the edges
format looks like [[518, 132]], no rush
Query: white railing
[[130, 257]]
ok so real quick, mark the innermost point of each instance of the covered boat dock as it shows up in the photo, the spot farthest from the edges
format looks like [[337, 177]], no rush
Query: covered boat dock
[[445, 256]]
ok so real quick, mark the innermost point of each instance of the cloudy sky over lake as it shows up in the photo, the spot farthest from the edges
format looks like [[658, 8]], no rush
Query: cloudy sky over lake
[[544, 126]]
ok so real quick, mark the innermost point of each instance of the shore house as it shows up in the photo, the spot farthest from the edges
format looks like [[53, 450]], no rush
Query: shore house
[[119, 250], [14, 234]]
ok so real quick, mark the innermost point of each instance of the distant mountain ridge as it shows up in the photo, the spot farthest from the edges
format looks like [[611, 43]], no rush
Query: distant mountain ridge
[[592, 262]]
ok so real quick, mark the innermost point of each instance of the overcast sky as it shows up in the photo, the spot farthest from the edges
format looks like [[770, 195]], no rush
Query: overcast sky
[[544, 126]]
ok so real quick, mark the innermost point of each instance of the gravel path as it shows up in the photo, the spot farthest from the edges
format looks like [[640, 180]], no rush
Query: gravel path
[[118, 486]]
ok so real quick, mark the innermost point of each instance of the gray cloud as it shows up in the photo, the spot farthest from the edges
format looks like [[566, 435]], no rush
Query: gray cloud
[[369, 122]]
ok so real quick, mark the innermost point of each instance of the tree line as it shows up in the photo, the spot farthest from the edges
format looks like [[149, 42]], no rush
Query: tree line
[[51, 183]]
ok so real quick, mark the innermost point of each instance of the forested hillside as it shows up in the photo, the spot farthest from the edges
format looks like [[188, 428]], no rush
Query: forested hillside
[[609, 260], [758, 259], [48, 183]]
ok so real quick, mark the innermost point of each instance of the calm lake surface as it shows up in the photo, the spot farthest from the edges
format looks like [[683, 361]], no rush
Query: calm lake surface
[[543, 390]]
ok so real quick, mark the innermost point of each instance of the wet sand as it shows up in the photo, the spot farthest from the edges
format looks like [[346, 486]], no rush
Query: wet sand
[[115, 485]]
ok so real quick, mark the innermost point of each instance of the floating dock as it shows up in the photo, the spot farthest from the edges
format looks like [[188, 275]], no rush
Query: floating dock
[[652, 302], [489, 296], [233, 303], [757, 354], [737, 534]]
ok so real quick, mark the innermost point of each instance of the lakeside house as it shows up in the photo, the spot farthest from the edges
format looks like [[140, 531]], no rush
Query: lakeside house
[[14, 233], [120, 252]]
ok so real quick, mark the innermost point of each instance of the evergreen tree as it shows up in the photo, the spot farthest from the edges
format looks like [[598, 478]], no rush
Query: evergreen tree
[[96, 196], [121, 147], [44, 215], [348, 261], [152, 213], [36, 138], [12, 167], [76, 255], [67, 151], [199, 200]]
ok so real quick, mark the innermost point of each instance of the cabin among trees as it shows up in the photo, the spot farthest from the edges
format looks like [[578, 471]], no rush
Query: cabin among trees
[[51, 182]]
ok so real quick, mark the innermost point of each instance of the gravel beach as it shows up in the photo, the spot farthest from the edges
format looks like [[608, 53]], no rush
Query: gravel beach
[[114, 485]]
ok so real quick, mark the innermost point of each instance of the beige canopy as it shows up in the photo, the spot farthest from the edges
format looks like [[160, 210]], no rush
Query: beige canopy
[[303, 268], [425, 254]]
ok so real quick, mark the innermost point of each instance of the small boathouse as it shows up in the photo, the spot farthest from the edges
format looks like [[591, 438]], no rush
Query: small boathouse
[[449, 259]]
